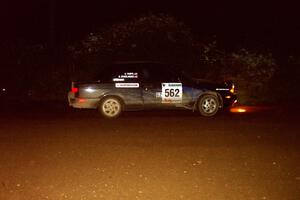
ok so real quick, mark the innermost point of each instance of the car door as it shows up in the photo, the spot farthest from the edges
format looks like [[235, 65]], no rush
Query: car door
[[160, 86], [126, 83]]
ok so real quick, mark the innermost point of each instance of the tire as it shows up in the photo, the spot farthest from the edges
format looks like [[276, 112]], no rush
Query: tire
[[110, 107], [208, 105]]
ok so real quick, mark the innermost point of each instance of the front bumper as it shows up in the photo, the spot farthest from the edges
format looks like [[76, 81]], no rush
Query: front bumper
[[229, 100]]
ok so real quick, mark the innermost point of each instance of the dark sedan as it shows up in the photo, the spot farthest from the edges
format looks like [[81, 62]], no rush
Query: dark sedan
[[134, 86]]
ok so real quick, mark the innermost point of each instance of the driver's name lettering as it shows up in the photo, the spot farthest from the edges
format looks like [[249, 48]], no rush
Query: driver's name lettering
[[129, 75], [171, 92]]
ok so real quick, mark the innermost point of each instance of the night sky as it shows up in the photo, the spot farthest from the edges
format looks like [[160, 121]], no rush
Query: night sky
[[272, 25]]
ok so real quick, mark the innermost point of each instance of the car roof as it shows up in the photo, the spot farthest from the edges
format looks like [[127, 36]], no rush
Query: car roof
[[138, 62]]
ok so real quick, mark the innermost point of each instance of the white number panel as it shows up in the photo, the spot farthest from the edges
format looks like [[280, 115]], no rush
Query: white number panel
[[171, 92]]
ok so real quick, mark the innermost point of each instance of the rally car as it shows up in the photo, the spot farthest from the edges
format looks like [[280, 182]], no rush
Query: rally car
[[132, 86]]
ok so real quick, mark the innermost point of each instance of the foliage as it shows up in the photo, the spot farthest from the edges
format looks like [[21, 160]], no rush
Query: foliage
[[152, 38], [159, 38], [165, 39], [253, 72]]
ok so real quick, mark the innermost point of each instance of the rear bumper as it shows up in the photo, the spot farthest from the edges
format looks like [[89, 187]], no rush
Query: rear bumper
[[81, 102], [71, 98], [84, 103]]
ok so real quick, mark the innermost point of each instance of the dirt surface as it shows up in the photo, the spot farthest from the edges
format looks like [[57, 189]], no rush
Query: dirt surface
[[61, 154]]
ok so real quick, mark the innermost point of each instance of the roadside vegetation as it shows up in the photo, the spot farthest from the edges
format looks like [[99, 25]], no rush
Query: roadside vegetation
[[159, 38], [165, 39]]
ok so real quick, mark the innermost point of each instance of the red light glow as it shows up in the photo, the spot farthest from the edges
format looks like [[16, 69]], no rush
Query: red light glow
[[81, 100], [238, 110], [74, 89], [250, 109]]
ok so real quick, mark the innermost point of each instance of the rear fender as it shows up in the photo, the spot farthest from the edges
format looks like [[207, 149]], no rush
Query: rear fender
[[117, 96]]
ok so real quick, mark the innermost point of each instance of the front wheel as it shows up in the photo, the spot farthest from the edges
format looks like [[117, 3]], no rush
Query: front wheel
[[208, 105], [110, 107]]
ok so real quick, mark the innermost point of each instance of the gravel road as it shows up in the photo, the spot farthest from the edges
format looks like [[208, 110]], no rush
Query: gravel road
[[168, 155]]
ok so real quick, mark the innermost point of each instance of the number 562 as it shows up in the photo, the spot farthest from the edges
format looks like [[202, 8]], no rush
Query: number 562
[[172, 93]]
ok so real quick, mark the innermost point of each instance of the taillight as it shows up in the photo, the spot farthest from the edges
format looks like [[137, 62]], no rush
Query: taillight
[[74, 89]]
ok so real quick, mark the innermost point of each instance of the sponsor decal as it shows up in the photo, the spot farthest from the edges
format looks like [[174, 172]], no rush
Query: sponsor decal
[[171, 92], [118, 79], [127, 85], [158, 94], [222, 89]]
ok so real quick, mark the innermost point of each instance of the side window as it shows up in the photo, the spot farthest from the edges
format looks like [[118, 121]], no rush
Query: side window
[[169, 76], [158, 74], [105, 75]]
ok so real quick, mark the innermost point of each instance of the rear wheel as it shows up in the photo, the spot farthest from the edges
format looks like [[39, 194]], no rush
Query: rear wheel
[[208, 105], [110, 107]]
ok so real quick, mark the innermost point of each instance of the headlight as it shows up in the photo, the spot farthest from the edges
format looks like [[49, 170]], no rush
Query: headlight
[[232, 88]]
